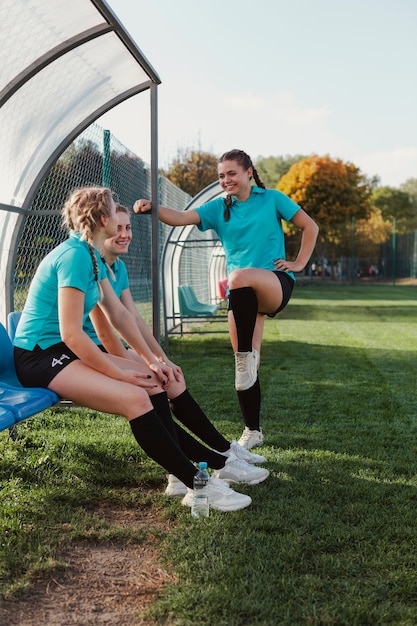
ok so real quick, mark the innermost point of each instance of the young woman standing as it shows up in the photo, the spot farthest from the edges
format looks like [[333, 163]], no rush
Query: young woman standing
[[52, 350], [260, 279]]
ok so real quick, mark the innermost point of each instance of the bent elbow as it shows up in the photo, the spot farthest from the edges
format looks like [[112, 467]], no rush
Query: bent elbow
[[70, 338]]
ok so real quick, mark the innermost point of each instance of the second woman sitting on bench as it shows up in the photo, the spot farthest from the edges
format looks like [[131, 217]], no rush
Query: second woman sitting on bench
[[183, 405]]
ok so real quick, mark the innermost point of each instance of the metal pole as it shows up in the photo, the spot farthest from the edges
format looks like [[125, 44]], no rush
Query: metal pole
[[106, 168], [394, 249], [156, 326], [352, 263]]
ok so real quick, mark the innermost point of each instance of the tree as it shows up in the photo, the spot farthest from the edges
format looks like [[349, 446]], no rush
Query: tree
[[333, 193], [410, 188], [271, 169], [394, 203], [192, 170]]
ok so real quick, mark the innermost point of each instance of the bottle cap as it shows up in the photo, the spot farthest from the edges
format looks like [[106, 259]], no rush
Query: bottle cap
[[202, 464]]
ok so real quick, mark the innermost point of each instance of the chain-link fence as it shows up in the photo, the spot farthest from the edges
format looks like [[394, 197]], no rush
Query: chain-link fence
[[95, 158]]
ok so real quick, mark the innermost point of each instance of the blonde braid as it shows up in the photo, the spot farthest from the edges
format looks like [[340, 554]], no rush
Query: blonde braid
[[81, 213]]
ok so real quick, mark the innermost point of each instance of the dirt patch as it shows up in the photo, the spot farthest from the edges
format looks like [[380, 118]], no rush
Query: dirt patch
[[101, 584]]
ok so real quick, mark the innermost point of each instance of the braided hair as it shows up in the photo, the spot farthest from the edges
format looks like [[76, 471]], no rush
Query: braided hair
[[245, 162], [81, 212]]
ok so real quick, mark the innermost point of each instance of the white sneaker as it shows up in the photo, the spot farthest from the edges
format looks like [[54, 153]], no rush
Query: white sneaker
[[175, 487], [237, 471], [244, 455], [221, 497], [251, 438], [246, 369]]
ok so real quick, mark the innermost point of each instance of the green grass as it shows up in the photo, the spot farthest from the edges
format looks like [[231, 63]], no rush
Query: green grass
[[331, 536]]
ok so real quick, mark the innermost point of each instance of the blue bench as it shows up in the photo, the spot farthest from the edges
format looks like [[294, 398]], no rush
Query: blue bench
[[17, 403]]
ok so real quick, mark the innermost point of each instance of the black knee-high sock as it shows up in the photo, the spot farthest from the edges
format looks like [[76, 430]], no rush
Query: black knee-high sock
[[244, 304], [161, 405], [155, 440], [250, 405], [189, 413], [192, 448], [196, 451]]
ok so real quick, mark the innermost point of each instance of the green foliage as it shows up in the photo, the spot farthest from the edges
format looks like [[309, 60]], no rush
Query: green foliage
[[330, 537], [271, 169], [396, 203], [410, 188]]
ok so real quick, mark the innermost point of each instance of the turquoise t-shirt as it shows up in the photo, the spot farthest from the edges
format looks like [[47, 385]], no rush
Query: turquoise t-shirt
[[253, 237], [119, 282], [68, 265]]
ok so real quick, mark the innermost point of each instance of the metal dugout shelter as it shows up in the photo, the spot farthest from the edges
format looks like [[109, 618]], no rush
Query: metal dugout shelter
[[63, 65], [191, 257]]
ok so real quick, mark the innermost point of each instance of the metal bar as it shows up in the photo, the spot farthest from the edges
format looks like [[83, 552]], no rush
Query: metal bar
[[106, 161], [127, 40], [154, 216], [11, 209]]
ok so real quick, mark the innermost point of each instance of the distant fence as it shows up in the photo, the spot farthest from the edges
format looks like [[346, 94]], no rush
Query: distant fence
[[395, 258]]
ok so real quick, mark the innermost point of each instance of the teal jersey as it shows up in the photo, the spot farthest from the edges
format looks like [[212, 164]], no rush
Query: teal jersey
[[253, 237], [68, 265], [119, 281]]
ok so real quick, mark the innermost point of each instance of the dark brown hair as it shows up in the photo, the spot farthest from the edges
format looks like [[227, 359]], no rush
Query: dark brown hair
[[244, 161]]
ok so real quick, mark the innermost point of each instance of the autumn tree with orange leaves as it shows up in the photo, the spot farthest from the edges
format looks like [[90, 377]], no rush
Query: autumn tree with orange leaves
[[333, 193]]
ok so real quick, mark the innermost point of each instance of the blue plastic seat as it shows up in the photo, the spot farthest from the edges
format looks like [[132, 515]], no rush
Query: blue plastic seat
[[190, 306], [6, 418], [22, 401], [12, 321]]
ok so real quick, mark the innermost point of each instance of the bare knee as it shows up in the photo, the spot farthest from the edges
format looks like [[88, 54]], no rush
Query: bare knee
[[135, 403], [176, 388], [238, 278]]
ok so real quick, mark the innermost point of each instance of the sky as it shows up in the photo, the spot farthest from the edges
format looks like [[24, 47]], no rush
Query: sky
[[277, 78]]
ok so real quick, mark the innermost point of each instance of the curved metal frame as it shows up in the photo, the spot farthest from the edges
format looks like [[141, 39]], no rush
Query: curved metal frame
[[171, 259]]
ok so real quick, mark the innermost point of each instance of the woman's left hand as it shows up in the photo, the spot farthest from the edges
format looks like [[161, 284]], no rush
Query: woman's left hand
[[163, 372], [178, 375], [288, 266]]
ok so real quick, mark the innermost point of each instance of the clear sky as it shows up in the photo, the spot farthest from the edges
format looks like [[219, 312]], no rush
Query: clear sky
[[278, 77]]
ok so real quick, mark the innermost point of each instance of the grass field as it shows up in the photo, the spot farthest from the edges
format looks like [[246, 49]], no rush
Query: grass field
[[331, 536]]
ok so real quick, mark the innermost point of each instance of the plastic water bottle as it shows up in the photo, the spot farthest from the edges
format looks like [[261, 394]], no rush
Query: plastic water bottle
[[200, 506]]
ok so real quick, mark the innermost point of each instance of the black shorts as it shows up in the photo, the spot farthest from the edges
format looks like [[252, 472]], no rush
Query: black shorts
[[37, 367], [287, 284]]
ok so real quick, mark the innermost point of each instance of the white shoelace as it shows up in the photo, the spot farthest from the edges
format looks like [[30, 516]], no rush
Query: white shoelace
[[246, 436], [240, 463], [220, 485], [241, 361]]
